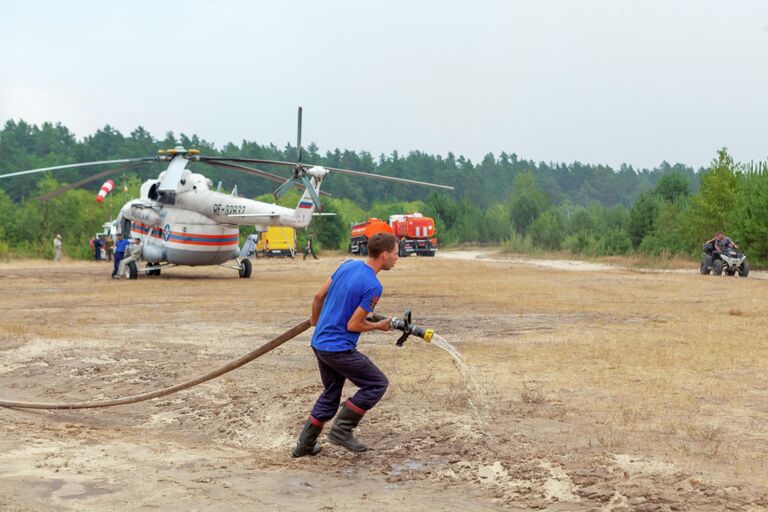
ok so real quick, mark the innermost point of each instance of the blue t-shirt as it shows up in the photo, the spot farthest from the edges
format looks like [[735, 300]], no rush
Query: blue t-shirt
[[353, 284], [121, 245]]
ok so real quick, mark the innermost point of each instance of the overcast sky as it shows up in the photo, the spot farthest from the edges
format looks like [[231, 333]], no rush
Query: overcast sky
[[598, 81]]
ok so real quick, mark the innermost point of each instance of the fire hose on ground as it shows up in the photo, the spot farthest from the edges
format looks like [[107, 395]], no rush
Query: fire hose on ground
[[402, 324], [237, 363]]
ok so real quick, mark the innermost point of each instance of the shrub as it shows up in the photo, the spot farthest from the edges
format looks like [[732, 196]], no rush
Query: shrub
[[547, 231], [616, 242], [517, 243], [582, 242]]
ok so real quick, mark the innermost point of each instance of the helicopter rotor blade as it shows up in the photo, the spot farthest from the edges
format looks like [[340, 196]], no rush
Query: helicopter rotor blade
[[252, 170], [247, 160], [84, 164], [249, 170], [298, 137], [89, 179], [389, 178], [335, 169]]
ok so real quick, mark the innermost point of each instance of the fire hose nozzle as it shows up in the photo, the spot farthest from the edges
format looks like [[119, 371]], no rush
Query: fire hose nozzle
[[404, 324]]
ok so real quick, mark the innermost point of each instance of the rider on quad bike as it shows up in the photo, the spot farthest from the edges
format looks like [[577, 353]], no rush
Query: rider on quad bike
[[721, 254]]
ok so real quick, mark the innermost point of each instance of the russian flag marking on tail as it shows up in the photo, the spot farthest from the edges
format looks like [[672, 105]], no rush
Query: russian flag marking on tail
[[305, 204]]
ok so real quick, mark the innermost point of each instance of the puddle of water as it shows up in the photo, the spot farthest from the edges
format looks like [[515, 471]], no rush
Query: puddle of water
[[64, 490], [407, 465], [413, 465]]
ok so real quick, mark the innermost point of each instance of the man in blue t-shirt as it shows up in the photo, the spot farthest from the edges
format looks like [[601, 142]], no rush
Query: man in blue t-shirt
[[119, 252], [339, 311]]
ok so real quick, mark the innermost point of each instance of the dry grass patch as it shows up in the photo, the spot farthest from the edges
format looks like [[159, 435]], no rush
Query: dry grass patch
[[662, 262]]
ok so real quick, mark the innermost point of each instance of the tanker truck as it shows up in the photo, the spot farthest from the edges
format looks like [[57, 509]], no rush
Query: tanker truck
[[415, 234], [361, 232]]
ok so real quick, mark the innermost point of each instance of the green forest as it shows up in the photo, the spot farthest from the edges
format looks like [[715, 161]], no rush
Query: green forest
[[522, 205]]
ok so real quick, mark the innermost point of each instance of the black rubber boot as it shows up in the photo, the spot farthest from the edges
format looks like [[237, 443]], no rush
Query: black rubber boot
[[306, 444], [341, 432]]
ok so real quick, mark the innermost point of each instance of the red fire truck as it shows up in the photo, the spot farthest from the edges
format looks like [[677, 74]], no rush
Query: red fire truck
[[416, 234]]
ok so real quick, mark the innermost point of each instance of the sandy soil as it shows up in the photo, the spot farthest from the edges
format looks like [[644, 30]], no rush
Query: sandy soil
[[602, 389]]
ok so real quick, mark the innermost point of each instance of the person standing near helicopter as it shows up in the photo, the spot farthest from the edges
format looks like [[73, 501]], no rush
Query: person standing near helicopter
[[98, 243], [119, 253], [57, 246], [132, 254], [310, 248], [339, 313]]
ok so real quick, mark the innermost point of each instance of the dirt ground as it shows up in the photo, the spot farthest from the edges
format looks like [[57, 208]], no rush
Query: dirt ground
[[597, 388]]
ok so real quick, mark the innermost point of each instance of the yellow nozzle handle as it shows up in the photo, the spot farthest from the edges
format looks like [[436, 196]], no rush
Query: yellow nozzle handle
[[428, 333]]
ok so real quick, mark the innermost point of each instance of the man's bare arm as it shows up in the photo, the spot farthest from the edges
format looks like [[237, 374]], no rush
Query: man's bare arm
[[358, 322], [318, 300]]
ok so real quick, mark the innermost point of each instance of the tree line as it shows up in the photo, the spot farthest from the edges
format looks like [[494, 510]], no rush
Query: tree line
[[520, 204]]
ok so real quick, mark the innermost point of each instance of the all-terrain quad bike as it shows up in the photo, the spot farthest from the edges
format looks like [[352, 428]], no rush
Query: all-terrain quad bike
[[729, 260]]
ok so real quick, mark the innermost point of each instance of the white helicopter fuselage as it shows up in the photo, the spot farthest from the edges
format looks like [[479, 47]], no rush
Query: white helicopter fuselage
[[199, 226], [186, 238]]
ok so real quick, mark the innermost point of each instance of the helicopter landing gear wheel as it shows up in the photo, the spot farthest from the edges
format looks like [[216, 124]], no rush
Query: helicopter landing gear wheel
[[153, 271], [131, 270], [246, 268]]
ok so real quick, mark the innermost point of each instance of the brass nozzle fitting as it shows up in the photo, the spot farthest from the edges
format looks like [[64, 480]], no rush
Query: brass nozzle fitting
[[428, 333]]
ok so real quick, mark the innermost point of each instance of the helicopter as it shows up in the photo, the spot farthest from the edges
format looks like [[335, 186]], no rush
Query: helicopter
[[181, 220]]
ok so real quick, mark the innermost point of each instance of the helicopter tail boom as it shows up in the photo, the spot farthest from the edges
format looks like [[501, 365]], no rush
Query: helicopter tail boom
[[310, 198]]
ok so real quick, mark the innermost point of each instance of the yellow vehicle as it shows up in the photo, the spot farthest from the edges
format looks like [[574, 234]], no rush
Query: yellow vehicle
[[277, 241]]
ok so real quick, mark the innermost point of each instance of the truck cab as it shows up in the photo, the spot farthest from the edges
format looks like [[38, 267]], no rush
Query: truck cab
[[361, 232]]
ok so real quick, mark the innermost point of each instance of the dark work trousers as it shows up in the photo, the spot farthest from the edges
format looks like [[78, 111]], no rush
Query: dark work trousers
[[335, 368], [118, 258]]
